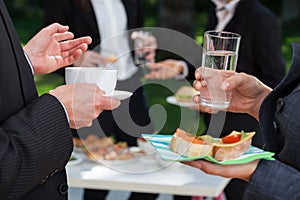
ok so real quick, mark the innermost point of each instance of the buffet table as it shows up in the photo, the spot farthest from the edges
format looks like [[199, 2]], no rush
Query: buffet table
[[145, 174]]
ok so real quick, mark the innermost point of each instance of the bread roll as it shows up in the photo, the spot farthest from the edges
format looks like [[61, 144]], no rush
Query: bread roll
[[185, 94], [230, 151], [185, 144]]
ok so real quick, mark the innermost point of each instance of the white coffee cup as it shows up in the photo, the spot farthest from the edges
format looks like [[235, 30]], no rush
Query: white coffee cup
[[106, 79]]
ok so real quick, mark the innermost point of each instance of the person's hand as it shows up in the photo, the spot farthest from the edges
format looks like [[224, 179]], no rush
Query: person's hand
[[241, 171], [164, 70], [248, 93], [83, 102], [54, 47], [93, 59], [148, 45]]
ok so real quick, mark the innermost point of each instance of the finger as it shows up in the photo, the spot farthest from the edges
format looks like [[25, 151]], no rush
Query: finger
[[198, 74], [154, 66], [234, 81], [195, 164], [70, 44], [63, 36], [68, 58], [106, 103], [197, 85], [74, 52], [56, 28], [196, 99]]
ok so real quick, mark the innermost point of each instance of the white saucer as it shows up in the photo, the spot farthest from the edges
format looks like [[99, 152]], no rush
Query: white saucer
[[118, 94], [173, 100]]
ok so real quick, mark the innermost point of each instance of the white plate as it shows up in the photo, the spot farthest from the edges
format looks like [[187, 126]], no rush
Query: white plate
[[118, 94], [173, 100]]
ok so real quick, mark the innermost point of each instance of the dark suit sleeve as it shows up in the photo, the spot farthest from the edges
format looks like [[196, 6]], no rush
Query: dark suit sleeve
[[55, 11], [267, 47], [273, 180], [34, 143]]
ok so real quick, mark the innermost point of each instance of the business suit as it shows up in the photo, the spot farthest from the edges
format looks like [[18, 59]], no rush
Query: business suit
[[35, 136], [259, 55], [279, 121], [82, 21]]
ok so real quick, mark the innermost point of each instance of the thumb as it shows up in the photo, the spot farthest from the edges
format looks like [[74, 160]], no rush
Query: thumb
[[233, 82]]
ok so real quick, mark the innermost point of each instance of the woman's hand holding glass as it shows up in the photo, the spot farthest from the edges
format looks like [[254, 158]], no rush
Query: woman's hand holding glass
[[248, 93]]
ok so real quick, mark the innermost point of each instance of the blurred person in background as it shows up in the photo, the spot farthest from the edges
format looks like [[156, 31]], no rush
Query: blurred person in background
[[259, 55], [102, 20]]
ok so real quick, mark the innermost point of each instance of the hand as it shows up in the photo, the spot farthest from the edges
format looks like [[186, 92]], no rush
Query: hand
[[93, 59], [54, 47], [83, 102], [241, 171], [248, 93], [164, 70], [148, 44]]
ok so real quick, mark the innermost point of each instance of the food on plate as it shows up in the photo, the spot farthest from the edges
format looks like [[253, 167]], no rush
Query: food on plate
[[96, 148], [145, 146], [188, 145], [185, 94], [229, 147], [226, 148]]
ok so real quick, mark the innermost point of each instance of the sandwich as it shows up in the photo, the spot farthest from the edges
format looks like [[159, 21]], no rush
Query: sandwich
[[185, 94], [233, 145], [188, 145], [226, 148]]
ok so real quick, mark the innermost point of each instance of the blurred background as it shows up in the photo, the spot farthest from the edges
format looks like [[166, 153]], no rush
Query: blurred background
[[28, 17]]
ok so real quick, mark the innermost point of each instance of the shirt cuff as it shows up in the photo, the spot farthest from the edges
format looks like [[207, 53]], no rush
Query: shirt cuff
[[185, 70], [29, 62], [62, 104]]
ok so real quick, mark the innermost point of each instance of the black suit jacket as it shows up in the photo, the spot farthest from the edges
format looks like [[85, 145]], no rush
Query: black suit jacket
[[279, 120], [259, 54], [35, 139], [82, 19], [260, 48]]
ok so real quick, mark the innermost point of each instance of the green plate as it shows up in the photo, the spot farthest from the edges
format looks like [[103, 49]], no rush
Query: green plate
[[161, 144]]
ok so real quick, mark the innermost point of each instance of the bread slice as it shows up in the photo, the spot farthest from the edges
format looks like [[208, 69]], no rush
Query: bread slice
[[185, 144], [230, 151]]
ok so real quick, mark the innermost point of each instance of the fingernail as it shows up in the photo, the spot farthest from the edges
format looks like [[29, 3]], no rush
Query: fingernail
[[225, 86]]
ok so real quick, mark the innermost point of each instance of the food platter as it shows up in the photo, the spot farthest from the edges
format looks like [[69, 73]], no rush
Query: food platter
[[161, 144]]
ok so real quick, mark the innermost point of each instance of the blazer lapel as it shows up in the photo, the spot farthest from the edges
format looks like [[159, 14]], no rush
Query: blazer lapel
[[268, 108]]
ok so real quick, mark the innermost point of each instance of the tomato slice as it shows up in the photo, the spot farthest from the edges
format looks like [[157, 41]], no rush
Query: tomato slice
[[197, 141], [231, 138]]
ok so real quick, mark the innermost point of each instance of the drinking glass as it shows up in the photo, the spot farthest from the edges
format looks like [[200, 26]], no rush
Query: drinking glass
[[219, 59], [143, 42]]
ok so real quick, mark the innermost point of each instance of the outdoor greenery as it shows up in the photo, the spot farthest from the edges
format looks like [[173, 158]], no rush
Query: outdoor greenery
[[28, 19]]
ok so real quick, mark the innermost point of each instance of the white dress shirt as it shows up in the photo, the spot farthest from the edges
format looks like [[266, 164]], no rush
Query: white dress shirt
[[224, 12], [112, 23]]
